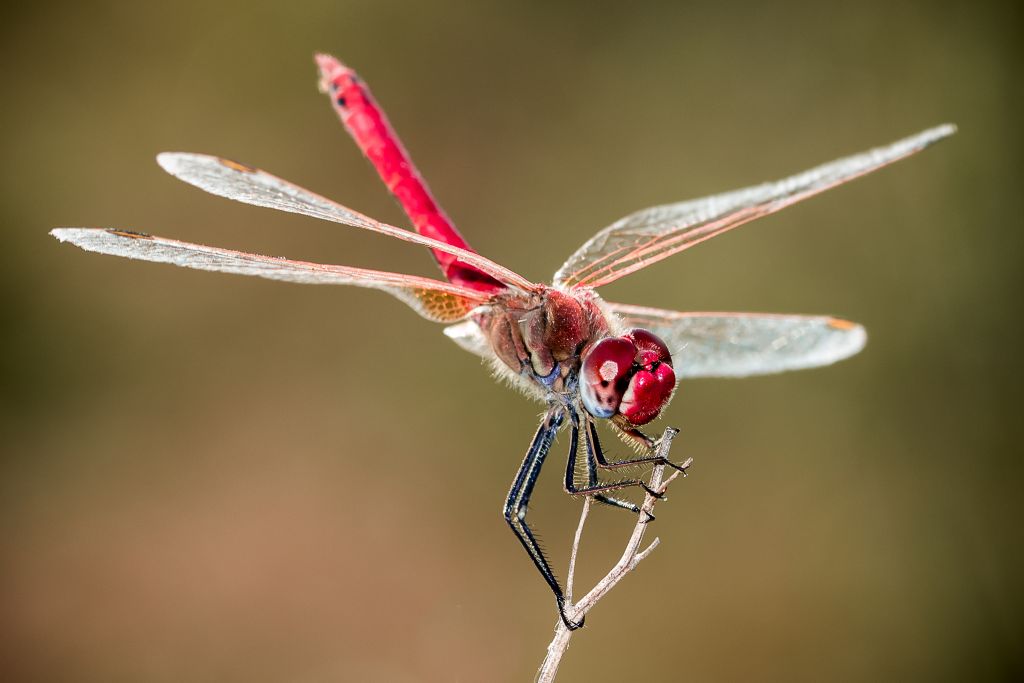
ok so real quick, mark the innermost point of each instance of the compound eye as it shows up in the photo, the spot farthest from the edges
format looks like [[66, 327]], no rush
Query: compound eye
[[645, 340], [653, 381], [649, 390], [604, 375]]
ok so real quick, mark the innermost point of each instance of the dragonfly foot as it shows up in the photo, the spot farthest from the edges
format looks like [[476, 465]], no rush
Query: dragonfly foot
[[682, 468], [659, 495], [569, 623]]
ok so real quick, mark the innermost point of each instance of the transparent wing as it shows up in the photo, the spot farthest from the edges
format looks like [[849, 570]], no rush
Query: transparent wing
[[434, 300], [744, 344], [248, 185], [647, 236]]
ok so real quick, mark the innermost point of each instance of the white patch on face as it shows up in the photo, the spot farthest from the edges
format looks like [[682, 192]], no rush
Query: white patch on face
[[627, 398], [608, 370]]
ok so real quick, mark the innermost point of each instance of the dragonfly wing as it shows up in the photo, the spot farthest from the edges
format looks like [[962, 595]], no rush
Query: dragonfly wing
[[648, 236], [745, 344], [226, 178], [434, 300], [468, 336]]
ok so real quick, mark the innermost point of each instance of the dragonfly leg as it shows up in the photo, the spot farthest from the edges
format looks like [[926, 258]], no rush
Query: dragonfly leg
[[593, 488], [596, 488], [519, 499], [636, 434]]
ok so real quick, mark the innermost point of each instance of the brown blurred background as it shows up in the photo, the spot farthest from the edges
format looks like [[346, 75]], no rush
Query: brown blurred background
[[208, 477]]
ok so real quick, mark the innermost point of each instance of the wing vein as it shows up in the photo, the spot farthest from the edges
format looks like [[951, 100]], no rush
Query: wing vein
[[650, 235]]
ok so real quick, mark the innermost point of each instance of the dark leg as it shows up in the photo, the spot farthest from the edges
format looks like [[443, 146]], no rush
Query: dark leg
[[596, 457], [602, 461], [607, 500], [519, 499], [594, 487]]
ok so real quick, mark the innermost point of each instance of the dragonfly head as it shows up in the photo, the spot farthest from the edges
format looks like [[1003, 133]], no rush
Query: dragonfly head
[[630, 375]]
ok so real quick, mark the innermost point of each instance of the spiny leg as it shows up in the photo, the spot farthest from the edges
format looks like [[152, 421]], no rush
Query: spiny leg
[[633, 433], [594, 487], [519, 499], [609, 500]]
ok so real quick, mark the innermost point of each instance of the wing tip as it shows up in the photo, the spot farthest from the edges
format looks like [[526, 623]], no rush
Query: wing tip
[[199, 170], [176, 163], [169, 161], [99, 240], [62, 234], [932, 135], [855, 337], [77, 236], [842, 324], [83, 238]]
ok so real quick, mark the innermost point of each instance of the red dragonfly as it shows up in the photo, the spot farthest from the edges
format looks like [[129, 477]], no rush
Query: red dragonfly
[[585, 358]]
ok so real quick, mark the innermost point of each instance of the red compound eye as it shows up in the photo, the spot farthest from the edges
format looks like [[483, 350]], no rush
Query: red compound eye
[[651, 386], [648, 392], [604, 375], [631, 375], [645, 340]]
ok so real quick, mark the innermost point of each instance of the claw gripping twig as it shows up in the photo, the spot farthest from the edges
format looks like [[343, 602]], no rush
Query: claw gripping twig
[[631, 557]]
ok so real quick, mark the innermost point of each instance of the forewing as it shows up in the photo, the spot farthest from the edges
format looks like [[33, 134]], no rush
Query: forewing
[[745, 344], [434, 300], [648, 236], [249, 185]]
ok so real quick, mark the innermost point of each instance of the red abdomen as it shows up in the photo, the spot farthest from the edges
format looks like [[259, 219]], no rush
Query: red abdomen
[[369, 127]]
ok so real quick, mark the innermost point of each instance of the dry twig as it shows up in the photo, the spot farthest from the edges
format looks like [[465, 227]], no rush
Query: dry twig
[[631, 557]]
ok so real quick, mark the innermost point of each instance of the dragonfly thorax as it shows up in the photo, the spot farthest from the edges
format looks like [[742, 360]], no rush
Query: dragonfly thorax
[[541, 337], [562, 343]]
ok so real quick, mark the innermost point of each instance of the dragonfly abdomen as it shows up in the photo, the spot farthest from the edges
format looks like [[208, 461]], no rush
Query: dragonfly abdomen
[[378, 141]]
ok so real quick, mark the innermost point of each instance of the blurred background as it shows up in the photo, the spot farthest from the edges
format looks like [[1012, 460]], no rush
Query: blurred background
[[208, 477]]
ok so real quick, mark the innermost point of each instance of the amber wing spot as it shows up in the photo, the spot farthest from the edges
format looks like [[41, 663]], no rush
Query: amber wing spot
[[235, 166], [443, 307], [131, 234], [840, 324]]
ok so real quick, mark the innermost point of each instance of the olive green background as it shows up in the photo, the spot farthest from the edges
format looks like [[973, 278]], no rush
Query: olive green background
[[215, 478]]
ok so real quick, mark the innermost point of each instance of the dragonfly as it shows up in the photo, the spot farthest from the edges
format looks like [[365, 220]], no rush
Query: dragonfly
[[589, 361]]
